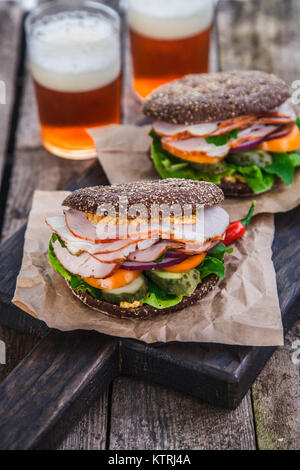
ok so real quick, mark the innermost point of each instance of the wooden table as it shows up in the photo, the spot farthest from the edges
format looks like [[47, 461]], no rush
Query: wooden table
[[133, 414]]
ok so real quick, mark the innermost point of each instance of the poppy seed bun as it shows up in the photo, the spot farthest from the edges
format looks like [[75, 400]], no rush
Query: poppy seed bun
[[169, 191], [145, 311], [196, 99]]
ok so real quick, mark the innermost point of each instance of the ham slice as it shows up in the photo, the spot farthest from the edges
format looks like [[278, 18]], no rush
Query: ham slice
[[80, 226], [179, 131], [195, 147], [122, 255], [77, 245], [284, 114], [152, 253], [211, 227], [255, 132], [83, 265], [236, 123]]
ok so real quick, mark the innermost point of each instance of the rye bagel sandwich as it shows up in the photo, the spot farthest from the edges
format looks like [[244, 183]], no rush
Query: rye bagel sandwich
[[142, 249], [235, 129]]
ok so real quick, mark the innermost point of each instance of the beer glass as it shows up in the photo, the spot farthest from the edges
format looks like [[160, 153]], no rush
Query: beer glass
[[169, 39], [74, 53]]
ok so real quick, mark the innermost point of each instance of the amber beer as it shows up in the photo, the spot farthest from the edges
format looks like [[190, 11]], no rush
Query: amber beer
[[169, 39], [75, 64]]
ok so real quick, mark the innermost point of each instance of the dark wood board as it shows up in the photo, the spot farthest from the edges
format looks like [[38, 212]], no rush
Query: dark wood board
[[218, 374]]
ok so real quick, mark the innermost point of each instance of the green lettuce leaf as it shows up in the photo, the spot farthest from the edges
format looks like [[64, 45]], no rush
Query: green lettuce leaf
[[256, 178], [220, 140], [295, 159], [211, 266], [157, 298], [219, 251], [213, 263], [283, 166]]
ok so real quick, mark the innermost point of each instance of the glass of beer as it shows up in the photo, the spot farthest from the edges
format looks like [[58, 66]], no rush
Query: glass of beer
[[169, 39], [74, 53]]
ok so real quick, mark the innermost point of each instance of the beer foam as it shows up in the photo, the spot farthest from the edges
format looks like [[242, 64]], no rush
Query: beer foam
[[170, 19], [74, 51]]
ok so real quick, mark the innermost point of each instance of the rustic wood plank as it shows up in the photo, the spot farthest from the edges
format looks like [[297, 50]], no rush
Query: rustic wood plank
[[17, 346], [89, 433], [276, 398], [10, 35], [71, 370], [146, 416], [272, 28]]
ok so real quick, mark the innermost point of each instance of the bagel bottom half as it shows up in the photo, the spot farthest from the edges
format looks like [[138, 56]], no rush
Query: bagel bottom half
[[145, 311], [242, 189], [235, 189]]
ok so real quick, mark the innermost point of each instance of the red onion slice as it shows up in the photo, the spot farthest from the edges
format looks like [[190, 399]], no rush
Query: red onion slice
[[165, 263], [247, 145]]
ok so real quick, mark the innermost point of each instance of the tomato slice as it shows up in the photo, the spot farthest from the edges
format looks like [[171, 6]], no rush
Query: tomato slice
[[120, 278], [288, 143], [190, 263]]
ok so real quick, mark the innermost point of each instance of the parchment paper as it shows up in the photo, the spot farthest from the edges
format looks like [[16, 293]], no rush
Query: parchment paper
[[243, 309], [123, 152]]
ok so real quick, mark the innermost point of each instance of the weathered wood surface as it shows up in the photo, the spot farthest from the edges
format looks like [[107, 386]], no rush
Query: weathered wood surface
[[265, 35], [10, 35], [50, 385], [147, 416], [167, 420]]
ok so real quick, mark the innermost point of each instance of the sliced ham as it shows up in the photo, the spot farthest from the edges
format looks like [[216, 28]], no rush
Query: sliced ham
[[176, 130], [153, 253], [83, 265], [80, 226], [179, 131], [122, 255], [255, 132], [76, 245], [237, 123], [215, 222], [212, 227], [195, 249], [195, 147], [284, 114]]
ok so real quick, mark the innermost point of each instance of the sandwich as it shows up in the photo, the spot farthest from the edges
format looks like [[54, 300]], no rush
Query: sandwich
[[235, 129], [142, 249]]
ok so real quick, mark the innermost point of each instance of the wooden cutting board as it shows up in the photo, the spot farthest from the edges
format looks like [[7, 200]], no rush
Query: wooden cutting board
[[67, 371]]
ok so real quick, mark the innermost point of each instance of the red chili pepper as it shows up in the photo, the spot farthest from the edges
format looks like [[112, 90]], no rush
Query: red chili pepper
[[237, 229]]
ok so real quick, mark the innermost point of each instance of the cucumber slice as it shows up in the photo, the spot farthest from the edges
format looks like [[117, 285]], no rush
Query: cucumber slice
[[136, 290], [258, 158], [176, 283]]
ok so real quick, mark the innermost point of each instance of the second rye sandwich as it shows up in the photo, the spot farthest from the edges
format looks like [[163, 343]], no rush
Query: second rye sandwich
[[235, 129], [125, 267]]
